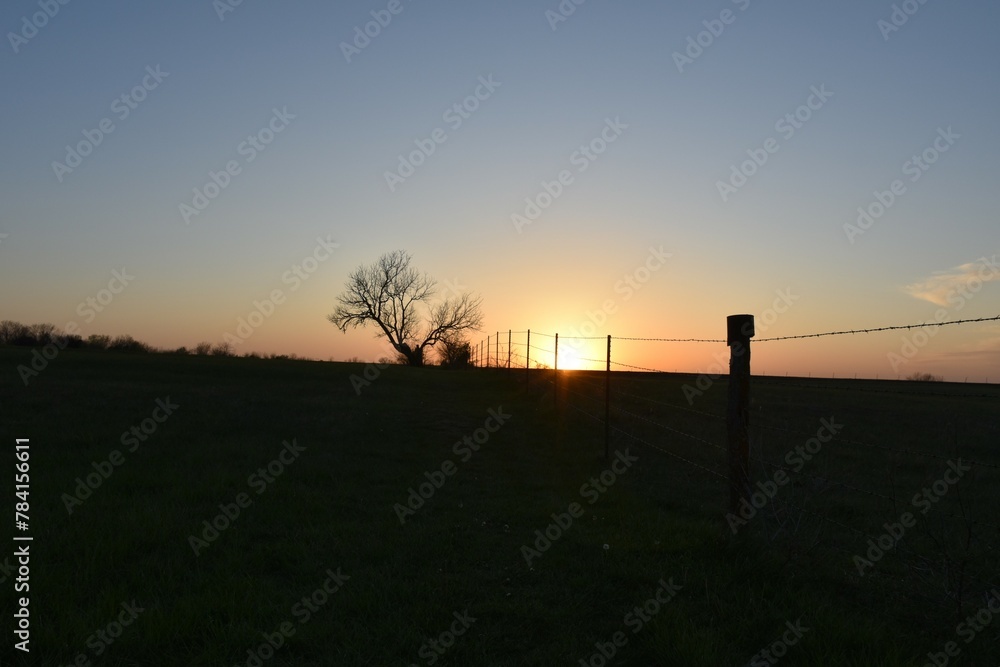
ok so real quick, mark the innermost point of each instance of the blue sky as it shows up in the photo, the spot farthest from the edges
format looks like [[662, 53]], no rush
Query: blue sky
[[557, 85]]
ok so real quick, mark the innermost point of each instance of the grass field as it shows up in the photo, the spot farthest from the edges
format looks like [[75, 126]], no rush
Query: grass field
[[450, 583]]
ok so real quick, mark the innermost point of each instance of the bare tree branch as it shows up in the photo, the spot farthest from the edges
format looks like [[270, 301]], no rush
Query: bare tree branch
[[453, 317], [389, 292]]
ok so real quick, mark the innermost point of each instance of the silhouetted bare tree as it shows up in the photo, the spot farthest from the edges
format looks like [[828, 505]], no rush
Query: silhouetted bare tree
[[389, 292]]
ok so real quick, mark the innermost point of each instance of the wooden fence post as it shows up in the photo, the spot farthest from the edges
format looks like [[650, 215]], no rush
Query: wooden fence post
[[607, 402], [739, 331]]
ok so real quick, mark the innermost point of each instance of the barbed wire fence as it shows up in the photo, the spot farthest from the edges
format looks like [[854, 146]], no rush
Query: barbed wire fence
[[913, 501]]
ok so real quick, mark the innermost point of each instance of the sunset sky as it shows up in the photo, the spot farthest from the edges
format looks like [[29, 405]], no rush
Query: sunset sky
[[689, 160]]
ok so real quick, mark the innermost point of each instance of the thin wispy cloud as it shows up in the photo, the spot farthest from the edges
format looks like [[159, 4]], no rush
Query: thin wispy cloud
[[960, 283]]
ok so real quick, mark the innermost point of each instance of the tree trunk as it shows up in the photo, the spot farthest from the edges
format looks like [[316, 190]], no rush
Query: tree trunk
[[414, 357]]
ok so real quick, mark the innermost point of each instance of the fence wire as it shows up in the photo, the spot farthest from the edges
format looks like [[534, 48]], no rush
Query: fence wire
[[876, 329], [615, 398]]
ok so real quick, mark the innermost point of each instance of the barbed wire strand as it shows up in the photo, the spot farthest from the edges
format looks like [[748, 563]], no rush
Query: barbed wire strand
[[778, 381], [669, 340], [676, 456], [640, 368], [672, 430], [719, 475], [899, 548], [877, 329], [668, 405], [824, 480], [779, 338], [594, 417], [897, 450]]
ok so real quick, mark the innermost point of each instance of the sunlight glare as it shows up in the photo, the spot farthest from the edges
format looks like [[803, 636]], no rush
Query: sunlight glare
[[569, 359]]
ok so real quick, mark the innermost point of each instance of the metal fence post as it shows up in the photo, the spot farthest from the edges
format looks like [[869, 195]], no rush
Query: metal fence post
[[607, 401], [527, 361], [555, 373], [508, 349]]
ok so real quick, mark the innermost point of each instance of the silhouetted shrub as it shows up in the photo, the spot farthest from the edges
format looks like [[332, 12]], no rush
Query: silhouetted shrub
[[127, 344], [43, 333], [455, 353], [924, 377], [15, 333], [398, 360], [98, 341]]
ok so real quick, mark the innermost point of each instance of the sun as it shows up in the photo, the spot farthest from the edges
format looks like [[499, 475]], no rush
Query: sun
[[569, 359]]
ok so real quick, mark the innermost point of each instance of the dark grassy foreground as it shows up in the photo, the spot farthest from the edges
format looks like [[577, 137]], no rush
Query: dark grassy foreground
[[332, 509]]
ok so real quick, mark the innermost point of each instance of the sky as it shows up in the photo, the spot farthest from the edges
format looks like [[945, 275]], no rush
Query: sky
[[640, 169]]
